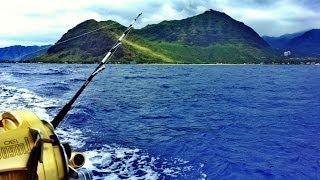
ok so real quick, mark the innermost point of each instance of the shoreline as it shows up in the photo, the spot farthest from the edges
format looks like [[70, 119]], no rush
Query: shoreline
[[154, 64]]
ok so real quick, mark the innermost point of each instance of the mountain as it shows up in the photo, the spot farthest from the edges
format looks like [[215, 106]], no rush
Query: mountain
[[210, 37], [281, 41], [20, 53], [87, 48], [303, 43], [308, 44]]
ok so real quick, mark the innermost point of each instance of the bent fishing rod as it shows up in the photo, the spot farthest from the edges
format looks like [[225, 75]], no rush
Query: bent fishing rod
[[62, 113]]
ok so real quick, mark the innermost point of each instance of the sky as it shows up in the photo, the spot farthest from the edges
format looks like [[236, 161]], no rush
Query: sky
[[41, 22]]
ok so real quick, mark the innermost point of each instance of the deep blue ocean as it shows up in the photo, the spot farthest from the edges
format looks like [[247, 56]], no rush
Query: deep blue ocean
[[180, 121]]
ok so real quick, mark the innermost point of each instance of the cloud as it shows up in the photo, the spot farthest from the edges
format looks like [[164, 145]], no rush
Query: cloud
[[37, 21], [275, 17]]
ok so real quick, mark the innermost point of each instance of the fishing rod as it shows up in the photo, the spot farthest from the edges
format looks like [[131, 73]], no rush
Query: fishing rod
[[59, 117]]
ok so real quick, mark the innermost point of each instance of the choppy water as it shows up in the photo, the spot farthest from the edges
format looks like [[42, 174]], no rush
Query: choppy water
[[180, 122]]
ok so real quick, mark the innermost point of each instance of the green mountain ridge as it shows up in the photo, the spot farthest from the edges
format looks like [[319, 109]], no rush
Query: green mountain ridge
[[211, 37]]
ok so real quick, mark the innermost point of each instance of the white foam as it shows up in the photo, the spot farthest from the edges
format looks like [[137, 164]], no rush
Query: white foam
[[4, 76], [12, 98], [116, 162], [71, 135], [203, 176]]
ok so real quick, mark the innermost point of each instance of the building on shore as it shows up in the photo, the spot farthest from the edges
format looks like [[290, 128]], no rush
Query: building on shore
[[287, 53]]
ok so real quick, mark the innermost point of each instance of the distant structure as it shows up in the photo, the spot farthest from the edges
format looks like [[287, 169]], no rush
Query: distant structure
[[287, 53]]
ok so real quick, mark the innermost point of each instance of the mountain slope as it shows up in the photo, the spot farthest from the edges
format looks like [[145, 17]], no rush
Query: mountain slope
[[203, 30], [210, 37], [281, 41], [306, 44], [74, 46], [19, 53]]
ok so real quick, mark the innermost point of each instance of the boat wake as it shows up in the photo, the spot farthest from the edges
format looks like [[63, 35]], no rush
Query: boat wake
[[12, 98], [104, 160], [117, 162], [5, 77]]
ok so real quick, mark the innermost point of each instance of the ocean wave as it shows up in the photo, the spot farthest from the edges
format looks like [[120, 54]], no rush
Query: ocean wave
[[75, 80], [147, 77], [6, 77], [71, 135], [45, 72], [61, 86], [117, 162], [12, 98]]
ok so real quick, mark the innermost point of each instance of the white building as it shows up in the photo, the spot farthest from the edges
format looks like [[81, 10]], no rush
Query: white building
[[287, 53]]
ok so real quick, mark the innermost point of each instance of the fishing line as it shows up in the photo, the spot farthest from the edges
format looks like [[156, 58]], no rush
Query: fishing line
[[84, 34], [67, 40]]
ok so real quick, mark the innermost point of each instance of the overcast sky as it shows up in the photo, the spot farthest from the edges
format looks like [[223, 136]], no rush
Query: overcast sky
[[38, 22]]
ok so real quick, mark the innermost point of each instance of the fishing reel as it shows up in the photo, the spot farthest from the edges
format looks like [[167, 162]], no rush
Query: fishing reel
[[30, 149]]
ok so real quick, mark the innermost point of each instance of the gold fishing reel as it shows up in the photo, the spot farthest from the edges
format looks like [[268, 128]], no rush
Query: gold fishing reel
[[30, 149]]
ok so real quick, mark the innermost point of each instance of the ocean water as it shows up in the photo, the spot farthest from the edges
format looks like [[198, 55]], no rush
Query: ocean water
[[180, 122]]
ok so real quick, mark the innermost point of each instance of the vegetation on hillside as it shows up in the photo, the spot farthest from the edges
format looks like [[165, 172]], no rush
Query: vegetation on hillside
[[211, 37]]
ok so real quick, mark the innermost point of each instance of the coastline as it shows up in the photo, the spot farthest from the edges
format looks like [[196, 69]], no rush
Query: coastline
[[162, 64]]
